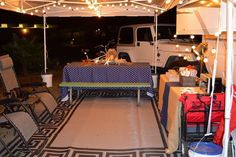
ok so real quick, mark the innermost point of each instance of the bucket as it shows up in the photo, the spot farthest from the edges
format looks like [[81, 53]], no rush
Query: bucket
[[47, 78], [204, 149], [154, 78]]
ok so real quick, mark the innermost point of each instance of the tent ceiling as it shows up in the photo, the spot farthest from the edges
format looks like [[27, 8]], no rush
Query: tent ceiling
[[87, 8]]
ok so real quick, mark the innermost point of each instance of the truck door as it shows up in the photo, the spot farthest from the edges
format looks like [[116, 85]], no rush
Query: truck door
[[144, 44]]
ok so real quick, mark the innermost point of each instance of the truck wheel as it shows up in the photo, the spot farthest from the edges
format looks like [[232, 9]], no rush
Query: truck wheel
[[124, 56]]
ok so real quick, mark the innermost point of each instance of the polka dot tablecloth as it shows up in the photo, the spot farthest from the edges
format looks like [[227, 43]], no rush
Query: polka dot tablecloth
[[91, 72]]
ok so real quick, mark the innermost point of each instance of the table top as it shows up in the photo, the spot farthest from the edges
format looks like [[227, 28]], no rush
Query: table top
[[92, 72]]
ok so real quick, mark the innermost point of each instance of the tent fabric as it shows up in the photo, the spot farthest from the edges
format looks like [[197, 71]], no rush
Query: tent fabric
[[88, 8]]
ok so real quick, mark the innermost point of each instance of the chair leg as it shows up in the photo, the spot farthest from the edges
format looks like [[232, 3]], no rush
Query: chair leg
[[7, 149]]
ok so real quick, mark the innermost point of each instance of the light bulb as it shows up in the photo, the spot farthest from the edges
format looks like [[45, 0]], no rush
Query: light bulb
[[2, 3], [213, 51], [198, 58], [187, 50], [205, 60]]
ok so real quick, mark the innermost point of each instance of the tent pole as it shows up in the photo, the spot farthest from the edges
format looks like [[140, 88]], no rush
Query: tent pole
[[228, 91], [155, 47], [44, 43]]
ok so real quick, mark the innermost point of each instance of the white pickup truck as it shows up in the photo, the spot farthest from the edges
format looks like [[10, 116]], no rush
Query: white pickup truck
[[136, 43]]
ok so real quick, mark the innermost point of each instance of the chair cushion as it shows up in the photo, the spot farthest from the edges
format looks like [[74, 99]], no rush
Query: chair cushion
[[6, 63]]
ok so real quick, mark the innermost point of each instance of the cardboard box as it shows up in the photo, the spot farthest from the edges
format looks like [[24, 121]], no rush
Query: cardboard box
[[187, 81]]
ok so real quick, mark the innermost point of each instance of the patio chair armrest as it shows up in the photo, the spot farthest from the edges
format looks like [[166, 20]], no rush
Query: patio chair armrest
[[8, 100], [33, 84]]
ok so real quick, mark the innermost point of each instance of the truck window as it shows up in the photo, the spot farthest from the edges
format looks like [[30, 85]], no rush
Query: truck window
[[144, 34], [126, 35]]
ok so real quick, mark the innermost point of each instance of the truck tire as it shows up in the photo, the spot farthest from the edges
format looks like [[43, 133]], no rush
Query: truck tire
[[125, 56]]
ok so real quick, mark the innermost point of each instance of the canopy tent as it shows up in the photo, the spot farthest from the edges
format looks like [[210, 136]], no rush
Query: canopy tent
[[86, 8]]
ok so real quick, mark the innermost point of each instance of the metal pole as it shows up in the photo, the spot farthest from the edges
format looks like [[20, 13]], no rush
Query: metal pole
[[44, 43], [228, 91], [155, 47]]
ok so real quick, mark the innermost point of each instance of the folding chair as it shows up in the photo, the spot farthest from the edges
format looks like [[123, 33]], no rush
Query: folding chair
[[29, 98], [23, 125]]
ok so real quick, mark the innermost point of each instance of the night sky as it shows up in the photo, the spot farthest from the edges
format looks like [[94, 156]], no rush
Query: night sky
[[72, 34]]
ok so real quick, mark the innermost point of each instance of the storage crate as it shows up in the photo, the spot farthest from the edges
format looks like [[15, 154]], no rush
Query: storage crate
[[187, 81]]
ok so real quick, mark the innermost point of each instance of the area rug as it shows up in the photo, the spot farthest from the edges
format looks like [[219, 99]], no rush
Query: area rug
[[100, 126]]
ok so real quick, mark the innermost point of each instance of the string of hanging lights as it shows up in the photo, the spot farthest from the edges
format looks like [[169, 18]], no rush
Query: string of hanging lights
[[93, 5]]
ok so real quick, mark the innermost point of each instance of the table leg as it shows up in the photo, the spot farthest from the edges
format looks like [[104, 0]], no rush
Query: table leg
[[138, 96], [70, 99]]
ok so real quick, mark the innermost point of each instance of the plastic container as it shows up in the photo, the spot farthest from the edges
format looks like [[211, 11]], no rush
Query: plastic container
[[47, 78], [154, 78], [204, 149]]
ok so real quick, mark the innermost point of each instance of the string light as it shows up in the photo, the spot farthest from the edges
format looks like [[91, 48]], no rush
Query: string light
[[175, 36], [205, 60], [180, 2], [167, 1], [217, 34], [149, 1], [2, 3], [213, 51], [187, 50], [192, 37], [93, 5], [177, 46]]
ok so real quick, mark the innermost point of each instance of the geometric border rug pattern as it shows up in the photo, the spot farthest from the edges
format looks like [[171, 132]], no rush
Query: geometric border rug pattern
[[40, 142]]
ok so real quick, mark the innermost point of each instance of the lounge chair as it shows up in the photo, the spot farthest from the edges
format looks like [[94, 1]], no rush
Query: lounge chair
[[21, 122], [30, 98]]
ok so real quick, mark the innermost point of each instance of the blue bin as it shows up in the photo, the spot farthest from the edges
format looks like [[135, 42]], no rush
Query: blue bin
[[204, 149]]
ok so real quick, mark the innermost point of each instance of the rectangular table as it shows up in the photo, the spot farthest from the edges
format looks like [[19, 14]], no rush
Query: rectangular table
[[162, 84], [91, 72], [174, 115]]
